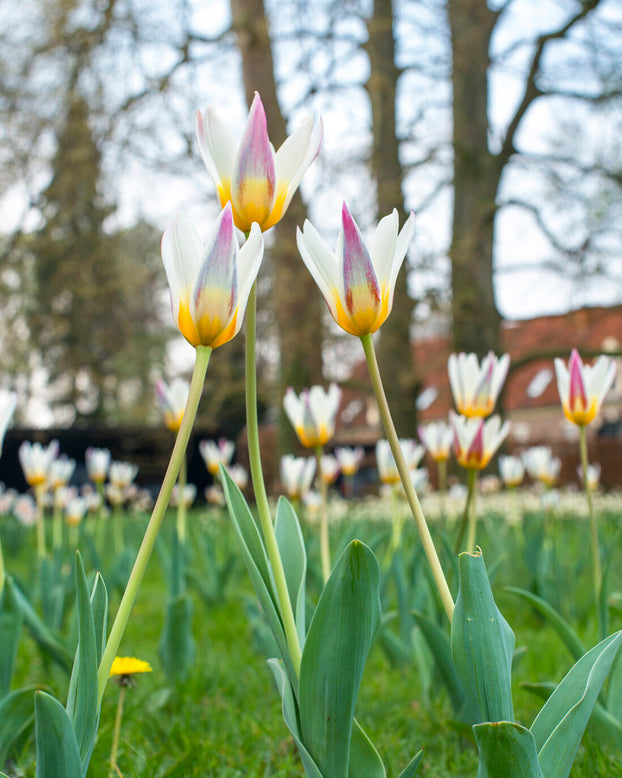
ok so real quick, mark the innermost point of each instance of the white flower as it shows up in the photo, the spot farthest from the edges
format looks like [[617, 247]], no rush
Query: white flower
[[475, 388], [172, 399], [511, 470], [313, 413], [8, 401], [387, 467], [97, 464], [476, 440], [121, 474], [36, 461], [582, 388], [349, 459], [216, 454], [437, 437], [541, 464], [297, 475]]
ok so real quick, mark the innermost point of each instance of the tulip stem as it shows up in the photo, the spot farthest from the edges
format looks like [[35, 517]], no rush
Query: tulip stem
[[402, 467], [39, 495], [159, 509], [259, 487], [596, 567], [324, 538], [470, 510]]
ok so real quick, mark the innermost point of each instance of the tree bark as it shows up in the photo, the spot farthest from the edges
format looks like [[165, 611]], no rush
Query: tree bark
[[476, 320], [395, 355]]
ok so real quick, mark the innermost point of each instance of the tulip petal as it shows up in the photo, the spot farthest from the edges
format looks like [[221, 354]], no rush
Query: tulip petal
[[181, 256], [218, 150], [320, 262]]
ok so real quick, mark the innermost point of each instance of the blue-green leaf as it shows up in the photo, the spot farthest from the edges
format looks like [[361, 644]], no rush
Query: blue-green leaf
[[559, 726], [11, 629], [99, 606], [482, 644], [291, 717], [440, 645], [333, 659], [58, 753], [176, 647], [568, 636], [365, 761], [82, 698], [411, 768], [17, 715], [506, 749], [294, 556], [256, 560]]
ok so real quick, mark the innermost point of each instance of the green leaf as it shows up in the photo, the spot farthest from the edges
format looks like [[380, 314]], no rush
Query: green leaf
[[411, 768], [294, 556], [82, 703], [58, 753], [568, 636], [482, 644], [439, 643], [605, 727], [559, 726], [99, 606], [17, 715], [41, 633], [11, 619], [256, 560], [291, 717], [333, 659], [365, 761], [176, 647], [506, 749]]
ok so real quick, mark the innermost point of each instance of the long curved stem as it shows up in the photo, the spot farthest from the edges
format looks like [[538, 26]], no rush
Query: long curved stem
[[259, 487], [470, 511], [596, 567], [144, 552], [411, 494], [324, 538]]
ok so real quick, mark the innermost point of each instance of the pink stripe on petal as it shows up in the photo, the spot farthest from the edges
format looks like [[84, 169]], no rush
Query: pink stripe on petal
[[358, 270], [219, 266], [255, 156], [577, 384]]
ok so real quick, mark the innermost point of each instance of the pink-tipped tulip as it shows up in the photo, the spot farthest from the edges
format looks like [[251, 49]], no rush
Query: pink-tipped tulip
[[313, 413], [357, 281], [476, 440], [476, 387], [258, 181], [210, 283], [582, 388]]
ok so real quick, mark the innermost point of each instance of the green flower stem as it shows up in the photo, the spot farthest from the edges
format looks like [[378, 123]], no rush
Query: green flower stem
[[596, 567], [117, 733], [2, 569], [57, 525], [39, 495], [144, 552], [181, 504], [324, 539], [259, 487], [470, 510], [411, 494]]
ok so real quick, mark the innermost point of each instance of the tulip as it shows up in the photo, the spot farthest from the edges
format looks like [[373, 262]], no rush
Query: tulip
[[239, 475], [356, 282], [121, 474], [476, 440], [172, 399], [97, 464], [210, 282], [349, 459], [541, 465], [296, 475], [476, 387], [329, 468], [592, 476], [8, 401], [582, 388], [36, 461], [511, 470], [387, 467], [216, 454], [60, 472], [313, 413], [437, 437], [258, 182]]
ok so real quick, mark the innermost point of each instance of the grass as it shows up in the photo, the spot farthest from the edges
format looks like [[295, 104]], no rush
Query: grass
[[225, 720]]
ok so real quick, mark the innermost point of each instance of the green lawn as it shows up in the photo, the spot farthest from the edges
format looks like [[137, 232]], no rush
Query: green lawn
[[224, 720]]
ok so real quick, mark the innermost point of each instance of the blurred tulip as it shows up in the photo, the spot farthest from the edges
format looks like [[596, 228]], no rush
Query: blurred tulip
[[541, 465], [36, 461], [97, 464], [582, 388], [476, 387], [387, 467], [437, 437], [258, 182], [349, 459], [8, 402], [357, 283], [121, 474], [476, 440], [511, 470], [329, 468], [216, 454], [172, 399], [313, 413], [297, 475], [60, 472]]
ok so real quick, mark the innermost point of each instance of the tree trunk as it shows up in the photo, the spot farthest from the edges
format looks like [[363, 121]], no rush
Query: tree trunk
[[297, 302], [395, 355], [476, 320]]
